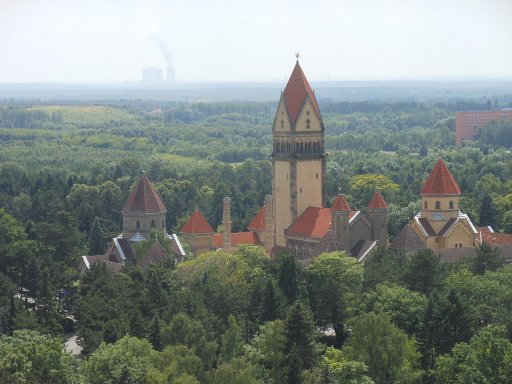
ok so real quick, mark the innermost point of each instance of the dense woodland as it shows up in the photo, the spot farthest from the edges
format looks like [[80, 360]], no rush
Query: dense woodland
[[66, 170]]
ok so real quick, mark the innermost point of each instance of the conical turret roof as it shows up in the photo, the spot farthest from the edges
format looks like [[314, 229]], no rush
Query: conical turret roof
[[340, 204], [440, 181], [144, 198], [196, 224], [377, 202], [296, 92]]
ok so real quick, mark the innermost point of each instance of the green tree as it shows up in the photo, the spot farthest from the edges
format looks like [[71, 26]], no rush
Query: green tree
[[387, 352], [487, 258], [487, 358], [487, 213], [232, 342], [96, 245], [334, 282], [126, 361], [237, 371], [32, 358], [288, 277], [423, 271], [343, 371], [300, 346]]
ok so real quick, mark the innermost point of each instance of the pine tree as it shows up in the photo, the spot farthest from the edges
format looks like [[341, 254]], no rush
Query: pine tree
[[96, 246], [300, 343], [487, 213], [288, 278], [232, 342], [269, 310], [155, 334]]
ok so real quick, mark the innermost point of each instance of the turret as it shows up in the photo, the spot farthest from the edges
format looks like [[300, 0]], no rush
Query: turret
[[340, 219], [378, 216]]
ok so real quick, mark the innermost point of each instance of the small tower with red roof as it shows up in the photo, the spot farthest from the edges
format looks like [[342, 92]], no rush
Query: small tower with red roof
[[440, 197], [298, 156], [198, 233], [378, 217], [143, 211], [340, 219]]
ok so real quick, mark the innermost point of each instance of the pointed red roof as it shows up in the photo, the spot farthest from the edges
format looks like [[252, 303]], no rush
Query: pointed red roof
[[144, 198], [258, 222], [440, 182], [314, 222], [196, 224], [340, 204], [377, 202], [296, 92]]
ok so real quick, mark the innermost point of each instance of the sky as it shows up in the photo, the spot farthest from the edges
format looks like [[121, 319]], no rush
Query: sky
[[98, 41]]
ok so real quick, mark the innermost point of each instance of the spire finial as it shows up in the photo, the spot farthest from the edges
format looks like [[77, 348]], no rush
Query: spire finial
[[143, 171], [297, 56]]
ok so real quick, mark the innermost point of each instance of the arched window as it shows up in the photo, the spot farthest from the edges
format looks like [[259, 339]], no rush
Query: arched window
[[308, 123], [460, 245], [451, 204], [425, 206], [153, 225], [438, 205], [163, 223], [456, 245], [282, 124], [137, 224]]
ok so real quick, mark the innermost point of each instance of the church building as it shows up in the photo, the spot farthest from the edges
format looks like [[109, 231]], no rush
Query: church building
[[143, 212], [295, 218]]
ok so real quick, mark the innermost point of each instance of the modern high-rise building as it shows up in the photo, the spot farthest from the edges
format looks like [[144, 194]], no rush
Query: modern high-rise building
[[468, 124]]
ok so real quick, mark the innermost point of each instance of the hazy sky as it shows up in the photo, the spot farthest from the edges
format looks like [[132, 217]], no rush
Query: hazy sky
[[240, 40]]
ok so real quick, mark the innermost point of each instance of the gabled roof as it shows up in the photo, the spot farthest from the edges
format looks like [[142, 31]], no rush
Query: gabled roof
[[155, 254], [340, 204], [296, 92], [440, 182], [258, 222], [425, 226], [377, 202], [143, 198], [329, 243], [197, 224], [362, 249], [487, 235], [407, 240], [314, 222], [237, 238], [124, 249]]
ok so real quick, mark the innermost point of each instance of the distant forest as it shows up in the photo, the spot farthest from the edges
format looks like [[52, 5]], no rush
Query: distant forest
[[67, 167]]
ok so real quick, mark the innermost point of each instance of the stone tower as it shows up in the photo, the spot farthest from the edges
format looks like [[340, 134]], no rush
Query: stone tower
[[340, 219], [298, 156], [143, 211], [440, 197], [378, 216]]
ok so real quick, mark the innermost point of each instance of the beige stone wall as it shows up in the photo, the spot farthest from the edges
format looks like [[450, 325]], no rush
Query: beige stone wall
[[461, 234], [281, 121], [199, 243], [145, 220], [282, 203], [309, 185], [315, 124]]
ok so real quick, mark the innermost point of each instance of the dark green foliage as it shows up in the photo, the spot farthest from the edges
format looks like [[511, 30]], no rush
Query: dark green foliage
[[487, 213], [300, 342], [96, 245], [423, 271], [288, 276], [487, 258]]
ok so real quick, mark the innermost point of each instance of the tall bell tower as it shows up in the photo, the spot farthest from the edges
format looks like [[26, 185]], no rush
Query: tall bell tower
[[298, 156]]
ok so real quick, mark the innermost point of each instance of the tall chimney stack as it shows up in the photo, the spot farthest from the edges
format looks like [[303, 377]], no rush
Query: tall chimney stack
[[226, 223]]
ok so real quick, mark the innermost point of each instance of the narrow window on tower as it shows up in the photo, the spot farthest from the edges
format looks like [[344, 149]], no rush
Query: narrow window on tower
[[308, 123], [300, 189], [438, 205], [282, 124], [317, 176], [426, 205], [451, 204]]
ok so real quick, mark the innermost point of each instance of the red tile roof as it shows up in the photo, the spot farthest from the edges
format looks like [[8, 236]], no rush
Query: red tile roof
[[440, 182], [314, 222], [237, 239], [144, 198], [196, 224], [258, 222], [340, 204], [377, 202], [296, 92], [493, 238]]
